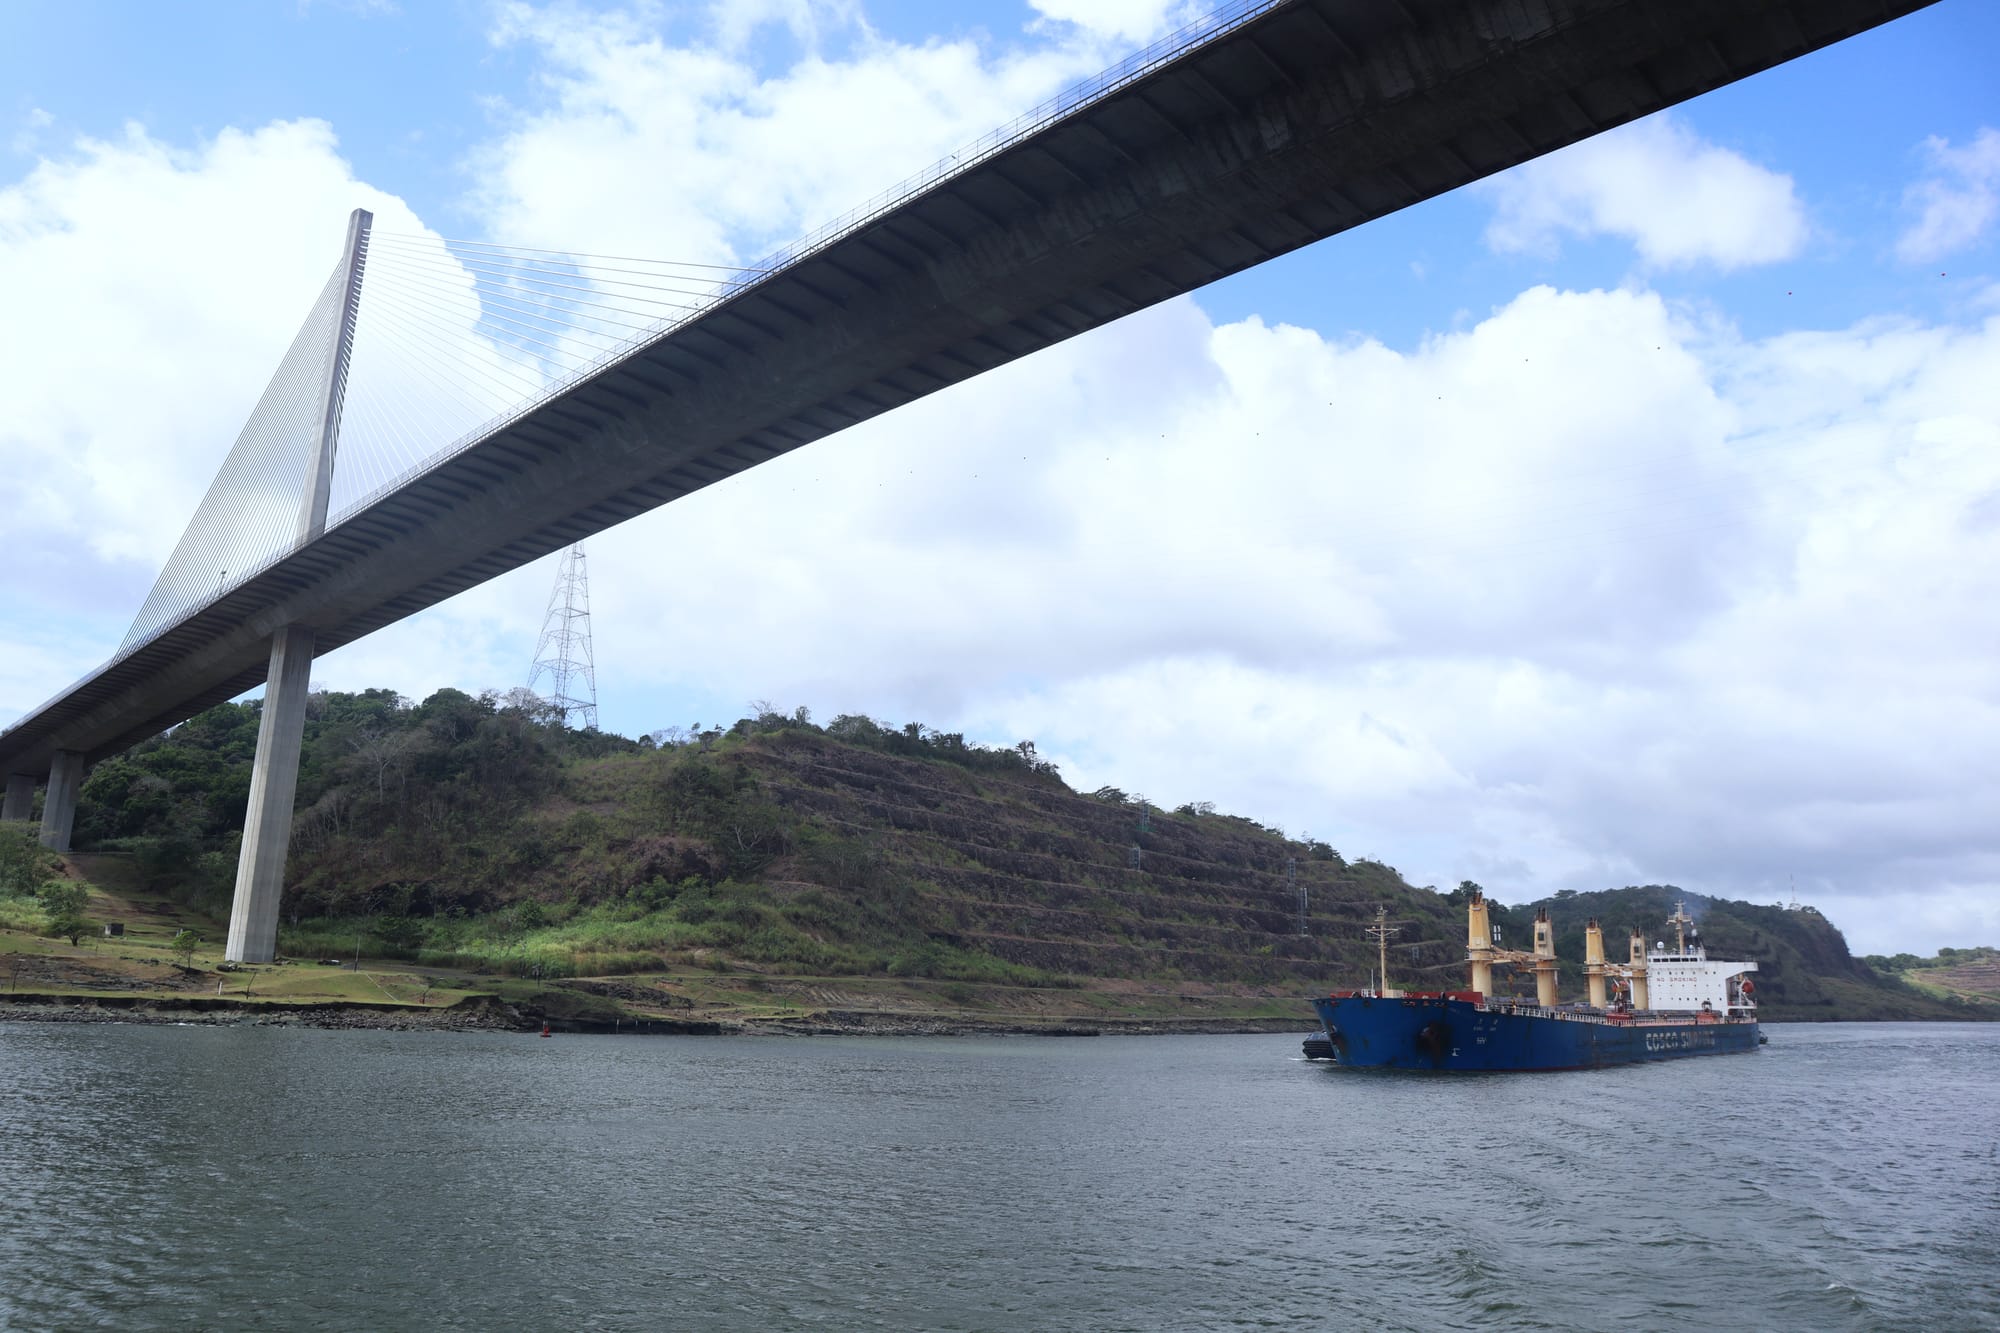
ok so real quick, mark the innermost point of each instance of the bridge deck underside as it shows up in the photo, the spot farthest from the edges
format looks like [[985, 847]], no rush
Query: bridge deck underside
[[1311, 119]]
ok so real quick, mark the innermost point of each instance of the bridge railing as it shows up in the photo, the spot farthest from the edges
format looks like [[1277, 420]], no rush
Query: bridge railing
[[1136, 66]]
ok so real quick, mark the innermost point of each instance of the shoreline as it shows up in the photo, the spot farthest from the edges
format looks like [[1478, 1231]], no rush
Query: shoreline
[[492, 1015]]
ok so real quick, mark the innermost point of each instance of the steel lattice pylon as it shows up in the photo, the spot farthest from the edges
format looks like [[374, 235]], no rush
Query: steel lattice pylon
[[564, 651]]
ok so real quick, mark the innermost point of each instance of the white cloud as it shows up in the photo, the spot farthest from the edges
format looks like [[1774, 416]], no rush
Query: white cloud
[[1133, 21], [735, 22], [1956, 201], [1680, 200], [687, 152], [26, 138], [166, 284]]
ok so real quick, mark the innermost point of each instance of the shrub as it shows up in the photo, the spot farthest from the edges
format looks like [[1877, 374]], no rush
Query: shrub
[[24, 862], [63, 902]]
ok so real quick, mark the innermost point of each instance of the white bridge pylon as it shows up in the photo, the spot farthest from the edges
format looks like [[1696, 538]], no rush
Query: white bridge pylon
[[274, 778], [416, 346]]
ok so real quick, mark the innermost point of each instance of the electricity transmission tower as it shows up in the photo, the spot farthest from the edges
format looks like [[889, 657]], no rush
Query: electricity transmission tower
[[564, 651]]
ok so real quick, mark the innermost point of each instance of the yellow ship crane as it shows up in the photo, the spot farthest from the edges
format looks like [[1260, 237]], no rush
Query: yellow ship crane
[[1483, 953]]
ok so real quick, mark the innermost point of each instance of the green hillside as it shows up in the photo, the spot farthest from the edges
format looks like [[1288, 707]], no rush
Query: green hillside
[[478, 835], [1961, 976], [1804, 969]]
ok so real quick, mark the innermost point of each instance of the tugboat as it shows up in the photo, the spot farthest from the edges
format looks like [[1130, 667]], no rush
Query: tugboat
[[1665, 1004]]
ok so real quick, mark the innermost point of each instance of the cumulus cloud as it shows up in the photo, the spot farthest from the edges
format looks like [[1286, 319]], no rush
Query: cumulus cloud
[[166, 283], [736, 22], [689, 152], [1956, 200], [29, 133], [1680, 200], [1133, 21]]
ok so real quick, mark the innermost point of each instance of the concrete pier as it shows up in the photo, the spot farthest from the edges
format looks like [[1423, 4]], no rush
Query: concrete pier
[[59, 805], [274, 780], [20, 796], [274, 777]]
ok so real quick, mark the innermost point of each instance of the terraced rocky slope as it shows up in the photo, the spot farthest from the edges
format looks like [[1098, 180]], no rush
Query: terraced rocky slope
[[477, 837], [1020, 867]]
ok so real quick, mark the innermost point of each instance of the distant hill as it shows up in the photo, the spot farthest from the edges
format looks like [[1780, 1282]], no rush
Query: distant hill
[[1964, 976], [478, 832], [1804, 969]]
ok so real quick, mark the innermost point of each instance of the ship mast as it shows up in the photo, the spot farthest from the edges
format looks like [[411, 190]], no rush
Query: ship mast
[[1680, 921], [1380, 933]]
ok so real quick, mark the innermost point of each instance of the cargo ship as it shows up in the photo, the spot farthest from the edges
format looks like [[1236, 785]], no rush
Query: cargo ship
[[1668, 1002]]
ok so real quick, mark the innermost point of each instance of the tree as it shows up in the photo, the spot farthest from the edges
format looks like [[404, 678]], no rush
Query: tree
[[184, 943], [64, 902], [400, 935], [532, 706], [382, 754], [23, 861]]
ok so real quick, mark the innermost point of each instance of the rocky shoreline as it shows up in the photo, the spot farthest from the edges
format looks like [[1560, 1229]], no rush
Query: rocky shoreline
[[488, 1015], [479, 1016], [876, 1023]]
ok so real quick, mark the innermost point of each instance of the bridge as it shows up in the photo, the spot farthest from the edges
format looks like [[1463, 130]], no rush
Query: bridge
[[1262, 128]]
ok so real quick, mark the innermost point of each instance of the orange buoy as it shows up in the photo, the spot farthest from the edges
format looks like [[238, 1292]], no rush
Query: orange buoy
[[545, 1029]]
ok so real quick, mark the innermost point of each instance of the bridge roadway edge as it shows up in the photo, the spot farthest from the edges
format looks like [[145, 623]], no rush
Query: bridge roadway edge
[[1308, 120]]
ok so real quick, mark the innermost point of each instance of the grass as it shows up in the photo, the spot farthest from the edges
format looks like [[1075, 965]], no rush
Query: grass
[[287, 986], [141, 962], [654, 930], [23, 914], [1941, 988], [732, 951]]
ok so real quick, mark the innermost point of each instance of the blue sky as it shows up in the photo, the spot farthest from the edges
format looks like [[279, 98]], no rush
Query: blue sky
[[1703, 595]]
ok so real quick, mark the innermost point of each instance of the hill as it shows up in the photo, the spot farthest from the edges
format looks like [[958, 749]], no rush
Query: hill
[[1804, 970], [813, 868], [1961, 976]]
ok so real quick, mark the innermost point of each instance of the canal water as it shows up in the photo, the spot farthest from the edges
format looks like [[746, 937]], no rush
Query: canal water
[[1844, 1177]]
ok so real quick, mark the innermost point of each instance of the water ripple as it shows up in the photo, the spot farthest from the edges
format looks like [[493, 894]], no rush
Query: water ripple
[[1845, 1178]]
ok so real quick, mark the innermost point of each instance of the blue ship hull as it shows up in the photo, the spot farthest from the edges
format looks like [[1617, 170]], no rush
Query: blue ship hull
[[1454, 1032]]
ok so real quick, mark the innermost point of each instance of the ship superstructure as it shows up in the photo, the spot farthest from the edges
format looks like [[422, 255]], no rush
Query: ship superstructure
[[1663, 1003]]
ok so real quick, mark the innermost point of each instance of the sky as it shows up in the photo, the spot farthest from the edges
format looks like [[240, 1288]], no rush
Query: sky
[[1631, 517]]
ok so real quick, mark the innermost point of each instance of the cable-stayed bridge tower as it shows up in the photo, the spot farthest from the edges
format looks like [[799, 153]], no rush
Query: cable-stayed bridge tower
[[564, 654], [316, 381]]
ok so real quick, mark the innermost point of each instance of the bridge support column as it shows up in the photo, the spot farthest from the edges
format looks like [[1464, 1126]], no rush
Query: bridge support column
[[20, 796], [59, 805], [274, 781]]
